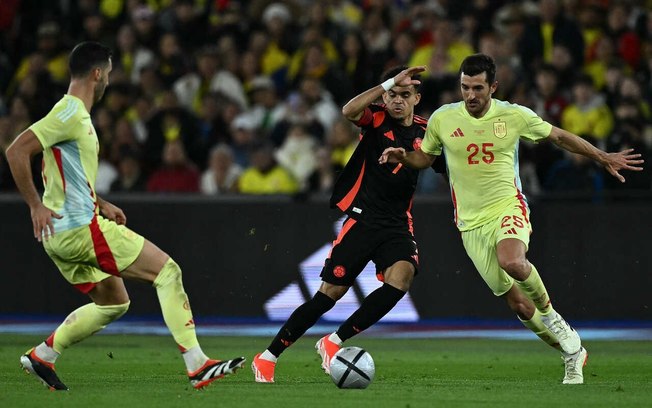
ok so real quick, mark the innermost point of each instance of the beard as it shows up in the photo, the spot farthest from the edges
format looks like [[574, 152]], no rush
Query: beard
[[98, 92]]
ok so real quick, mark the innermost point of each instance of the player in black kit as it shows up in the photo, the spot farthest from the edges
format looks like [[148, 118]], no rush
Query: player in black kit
[[377, 199]]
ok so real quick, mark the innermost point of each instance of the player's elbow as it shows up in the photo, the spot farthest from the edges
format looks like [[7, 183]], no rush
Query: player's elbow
[[350, 113], [12, 154]]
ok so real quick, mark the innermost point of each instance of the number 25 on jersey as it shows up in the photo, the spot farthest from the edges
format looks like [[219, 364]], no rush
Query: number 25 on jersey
[[474, 149]]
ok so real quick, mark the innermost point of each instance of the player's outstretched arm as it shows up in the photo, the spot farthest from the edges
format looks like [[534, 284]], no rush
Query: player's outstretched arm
[[416, 159], [111, 211], [19, 157], [612, 162], [354, 109]]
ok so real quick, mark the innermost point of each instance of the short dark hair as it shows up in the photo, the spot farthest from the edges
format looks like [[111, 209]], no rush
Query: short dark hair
[[393, 71], [476, 64], [86, 56]]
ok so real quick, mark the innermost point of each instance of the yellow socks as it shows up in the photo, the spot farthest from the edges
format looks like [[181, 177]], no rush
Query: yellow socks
[[536, 325], [175, 305], [83, 322], [534, 289]]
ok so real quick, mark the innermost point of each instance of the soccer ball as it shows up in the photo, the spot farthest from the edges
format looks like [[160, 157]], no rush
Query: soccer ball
[[352, 367]]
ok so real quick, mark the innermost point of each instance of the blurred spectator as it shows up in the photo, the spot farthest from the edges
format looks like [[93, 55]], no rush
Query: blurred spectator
[[588, 114], [316, 65], [94, 29], [187, 22], [248, 73], [342, 140], [628, 45], [172, 63], [130, 174], [297, 155], [265, 176], [604, 54], [630, 88], [550, 28], [403, 45], [354, 63], [222, 174], [323, 55], [323, 179], [576, 173], [266, 110], [630, 133], [170, 123], [243, 139], [445, 53], [176, 173], [547, 100], [192, 87], [147, 32], [130, 55]]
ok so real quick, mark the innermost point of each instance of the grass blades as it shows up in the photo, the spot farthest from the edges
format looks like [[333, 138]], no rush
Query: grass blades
[[146, 371]]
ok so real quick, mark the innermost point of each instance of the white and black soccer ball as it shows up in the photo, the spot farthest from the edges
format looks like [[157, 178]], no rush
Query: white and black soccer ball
[[352, 367]]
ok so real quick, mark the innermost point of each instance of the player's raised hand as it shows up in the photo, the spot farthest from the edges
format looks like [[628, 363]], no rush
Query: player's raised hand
[[404, 78], [624, 160], [392, 155], [42, 221]]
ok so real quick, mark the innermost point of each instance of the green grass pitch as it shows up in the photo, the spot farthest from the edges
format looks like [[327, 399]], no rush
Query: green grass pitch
[[146, 371]]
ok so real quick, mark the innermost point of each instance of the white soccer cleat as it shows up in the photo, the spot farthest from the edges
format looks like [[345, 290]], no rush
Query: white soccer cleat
[[573, 366], [568, 339]]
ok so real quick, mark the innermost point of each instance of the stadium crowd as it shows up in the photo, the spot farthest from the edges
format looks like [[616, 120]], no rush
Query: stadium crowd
[[226, 97]]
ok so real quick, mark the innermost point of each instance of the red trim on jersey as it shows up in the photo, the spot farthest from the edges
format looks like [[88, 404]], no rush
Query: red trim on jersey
[[389, 135], [454, 203], [102, 251], [397, 168], [366, 117], [409, 218], [345, 203], [50, 340], [84, 287], [379, 117], [345, 229], [523, 204], [57, 157], [420, 120]]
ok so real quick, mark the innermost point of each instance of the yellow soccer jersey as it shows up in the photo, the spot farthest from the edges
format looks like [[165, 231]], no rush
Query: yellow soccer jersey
[[482, 156], [70, 159]]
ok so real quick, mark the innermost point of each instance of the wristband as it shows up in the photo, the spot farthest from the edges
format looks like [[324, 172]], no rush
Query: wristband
[[389, 84]]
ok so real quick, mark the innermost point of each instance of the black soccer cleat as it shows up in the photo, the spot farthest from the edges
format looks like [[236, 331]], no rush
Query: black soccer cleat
[[43, 370], [214, 369]]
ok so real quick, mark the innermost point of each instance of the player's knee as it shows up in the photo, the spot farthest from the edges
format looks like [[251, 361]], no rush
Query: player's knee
[[113, 312], [517, 268], [400, 276], [170, 272], [335, 292]]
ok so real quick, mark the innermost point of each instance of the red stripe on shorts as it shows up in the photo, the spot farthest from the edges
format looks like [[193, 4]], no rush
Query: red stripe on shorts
[[84, 287], [102, 251], [345, 228]]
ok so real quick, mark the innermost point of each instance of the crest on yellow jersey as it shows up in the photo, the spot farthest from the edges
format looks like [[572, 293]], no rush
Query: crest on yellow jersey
[[500, 129]]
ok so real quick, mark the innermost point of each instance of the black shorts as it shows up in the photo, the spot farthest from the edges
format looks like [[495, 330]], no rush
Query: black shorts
[[357, 244]]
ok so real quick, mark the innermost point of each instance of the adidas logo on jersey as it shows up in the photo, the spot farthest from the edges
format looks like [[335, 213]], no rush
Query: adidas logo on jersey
[[457, 133]]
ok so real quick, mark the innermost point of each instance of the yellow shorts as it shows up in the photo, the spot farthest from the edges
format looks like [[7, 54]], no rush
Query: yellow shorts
[[90, 254], [480, 245]]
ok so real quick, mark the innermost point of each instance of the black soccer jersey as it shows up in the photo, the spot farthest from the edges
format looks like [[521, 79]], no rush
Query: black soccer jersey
[[373, 193]]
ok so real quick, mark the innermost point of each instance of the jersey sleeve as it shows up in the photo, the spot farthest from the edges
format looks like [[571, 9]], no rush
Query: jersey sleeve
[[535, 128], [55, 127], [431, 143], [372, 117]]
